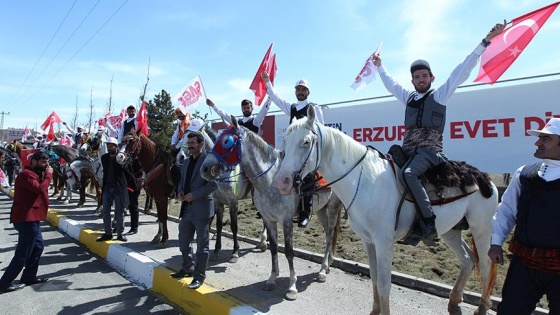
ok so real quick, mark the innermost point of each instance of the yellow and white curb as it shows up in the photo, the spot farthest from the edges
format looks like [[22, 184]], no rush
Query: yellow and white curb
[[151, 274]]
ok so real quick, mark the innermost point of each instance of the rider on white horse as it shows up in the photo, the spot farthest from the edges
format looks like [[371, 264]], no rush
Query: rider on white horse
[[248, 120], [425, 121], [297, 110]]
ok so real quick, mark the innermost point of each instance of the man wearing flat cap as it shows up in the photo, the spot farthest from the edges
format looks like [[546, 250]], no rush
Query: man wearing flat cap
[[425, 122], [531, 203]]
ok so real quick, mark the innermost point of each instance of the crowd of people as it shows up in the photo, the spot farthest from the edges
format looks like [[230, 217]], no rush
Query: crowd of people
[[528, 204]]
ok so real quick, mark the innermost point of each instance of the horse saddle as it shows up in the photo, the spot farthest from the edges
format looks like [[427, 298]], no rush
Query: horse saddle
[[444, 183]]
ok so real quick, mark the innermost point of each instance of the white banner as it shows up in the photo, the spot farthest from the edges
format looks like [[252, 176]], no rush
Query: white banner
[[485, 127], [191, 94]]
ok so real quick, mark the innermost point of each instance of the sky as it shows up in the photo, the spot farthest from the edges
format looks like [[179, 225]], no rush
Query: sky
[[64, 55]]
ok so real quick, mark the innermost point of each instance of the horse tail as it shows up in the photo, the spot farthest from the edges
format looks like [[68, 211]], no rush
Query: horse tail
[[484, 183], [493, 272], [335, 234]]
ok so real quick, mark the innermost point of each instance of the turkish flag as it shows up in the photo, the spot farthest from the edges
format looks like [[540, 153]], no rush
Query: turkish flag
[[25, 156], [258, 85], [509, 44], [53, 118], [142, 119], [51, 136]]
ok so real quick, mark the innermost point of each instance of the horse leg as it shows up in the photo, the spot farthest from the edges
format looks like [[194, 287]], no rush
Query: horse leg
[[370, 251], [163, 233], [322, 217], [98, 195], [55, 180], [288, 226], [233, 223], [219, 211], [455, 242], [487, 269], [273, 239], [148, 203], [263, 235]]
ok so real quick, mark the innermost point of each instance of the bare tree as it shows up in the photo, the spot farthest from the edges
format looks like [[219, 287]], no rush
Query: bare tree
[[91, 109], [146, 85], [110, 103], [74, 121]]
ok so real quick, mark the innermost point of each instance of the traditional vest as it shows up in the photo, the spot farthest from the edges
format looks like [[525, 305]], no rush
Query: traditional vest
[[425, 121], [538, 215], [128, 126], [249, 125], [78, 138], [425, 113], [299, 114]]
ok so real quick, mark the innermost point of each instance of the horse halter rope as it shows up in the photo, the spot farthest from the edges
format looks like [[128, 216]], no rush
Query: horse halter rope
[[298, 178], [125, 156]]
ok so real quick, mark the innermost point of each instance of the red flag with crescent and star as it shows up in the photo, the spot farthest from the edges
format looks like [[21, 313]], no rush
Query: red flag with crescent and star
[[53, 118], [509, 44]]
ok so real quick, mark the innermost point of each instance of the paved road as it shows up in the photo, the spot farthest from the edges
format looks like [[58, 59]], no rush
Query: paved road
[[82, 283]]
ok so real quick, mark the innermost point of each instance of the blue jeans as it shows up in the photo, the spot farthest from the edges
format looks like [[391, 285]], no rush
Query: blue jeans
[[110, 195], [28, 252]]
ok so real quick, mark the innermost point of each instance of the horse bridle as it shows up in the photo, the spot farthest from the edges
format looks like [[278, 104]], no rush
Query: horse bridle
[[298, 179]]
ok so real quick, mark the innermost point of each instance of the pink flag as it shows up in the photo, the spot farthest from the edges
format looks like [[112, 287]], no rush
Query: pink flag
[[192, 93], [258, 85], [53, 118], [65, 140], [507, 46]]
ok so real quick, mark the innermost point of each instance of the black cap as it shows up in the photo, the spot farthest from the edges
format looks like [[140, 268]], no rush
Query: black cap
[[39, 155]]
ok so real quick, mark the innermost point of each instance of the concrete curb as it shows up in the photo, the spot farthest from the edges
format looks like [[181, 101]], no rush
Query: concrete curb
[[151, 274]]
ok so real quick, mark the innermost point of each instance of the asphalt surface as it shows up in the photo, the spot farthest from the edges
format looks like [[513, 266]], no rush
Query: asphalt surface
[[80, 283], [84, 283]]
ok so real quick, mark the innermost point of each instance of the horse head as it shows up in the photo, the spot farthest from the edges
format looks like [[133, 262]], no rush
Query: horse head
[[300, 153], [131, 146], [225, 154]]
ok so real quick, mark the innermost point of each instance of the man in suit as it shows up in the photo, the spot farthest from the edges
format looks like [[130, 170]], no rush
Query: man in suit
[[114, 189], [31, 201], [197, 211]]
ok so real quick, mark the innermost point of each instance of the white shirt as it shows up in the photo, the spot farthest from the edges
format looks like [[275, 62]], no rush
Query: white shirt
[[286, 106], [257, 120], [504, 219], [443, 93]]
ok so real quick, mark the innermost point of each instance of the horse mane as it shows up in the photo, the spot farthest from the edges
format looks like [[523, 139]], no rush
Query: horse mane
[[334, 138], [259, 142], [65, 152]]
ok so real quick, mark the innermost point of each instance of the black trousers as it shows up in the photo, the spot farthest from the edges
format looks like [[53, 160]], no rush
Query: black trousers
[[525, 286], [133, 208]]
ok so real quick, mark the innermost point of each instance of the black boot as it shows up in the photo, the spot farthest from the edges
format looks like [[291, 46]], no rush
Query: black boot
[[305, 211], [428, 227]]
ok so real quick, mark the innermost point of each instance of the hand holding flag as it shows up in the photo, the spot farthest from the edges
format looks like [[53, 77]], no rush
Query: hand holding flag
[[368, 72], [509, 44], [268, 64]]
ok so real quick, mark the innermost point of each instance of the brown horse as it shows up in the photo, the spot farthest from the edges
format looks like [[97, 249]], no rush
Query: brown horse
[[158, 184], [59, 177]]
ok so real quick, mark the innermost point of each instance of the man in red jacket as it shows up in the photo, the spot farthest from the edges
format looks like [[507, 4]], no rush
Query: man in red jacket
[[31, 201]]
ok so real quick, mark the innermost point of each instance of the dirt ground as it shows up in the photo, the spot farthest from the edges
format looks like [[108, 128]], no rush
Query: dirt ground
[[433, 263]]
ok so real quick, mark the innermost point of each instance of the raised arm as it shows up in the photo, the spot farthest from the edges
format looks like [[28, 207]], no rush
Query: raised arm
[[221, 113], [280, 102]]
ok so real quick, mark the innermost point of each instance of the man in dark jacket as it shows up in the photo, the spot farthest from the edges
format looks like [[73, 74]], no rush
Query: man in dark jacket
[[31, 201], [197, 211], [114, 189]]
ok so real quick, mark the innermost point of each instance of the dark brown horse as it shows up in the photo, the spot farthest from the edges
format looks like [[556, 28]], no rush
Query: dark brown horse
[[59, 177], [158, 184]]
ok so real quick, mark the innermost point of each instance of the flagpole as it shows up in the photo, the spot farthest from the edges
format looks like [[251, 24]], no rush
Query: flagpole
[[204, 90]]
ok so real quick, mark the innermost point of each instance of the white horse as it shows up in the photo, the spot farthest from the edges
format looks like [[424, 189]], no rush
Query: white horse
[[232, 187], [259, 162], [367, 185]]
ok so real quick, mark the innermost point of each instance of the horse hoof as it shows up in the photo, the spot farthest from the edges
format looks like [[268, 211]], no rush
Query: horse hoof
[[161, 245], [269, 286], [321, 278], [233, 259], [455, 310], [156, 240], [291, 295], [262, 246], [66, 202]]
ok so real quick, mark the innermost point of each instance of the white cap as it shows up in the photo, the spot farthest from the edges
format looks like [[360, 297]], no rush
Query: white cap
[[100, 128], [196, 124], [302, 82], [552, 127], [112, 140]]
